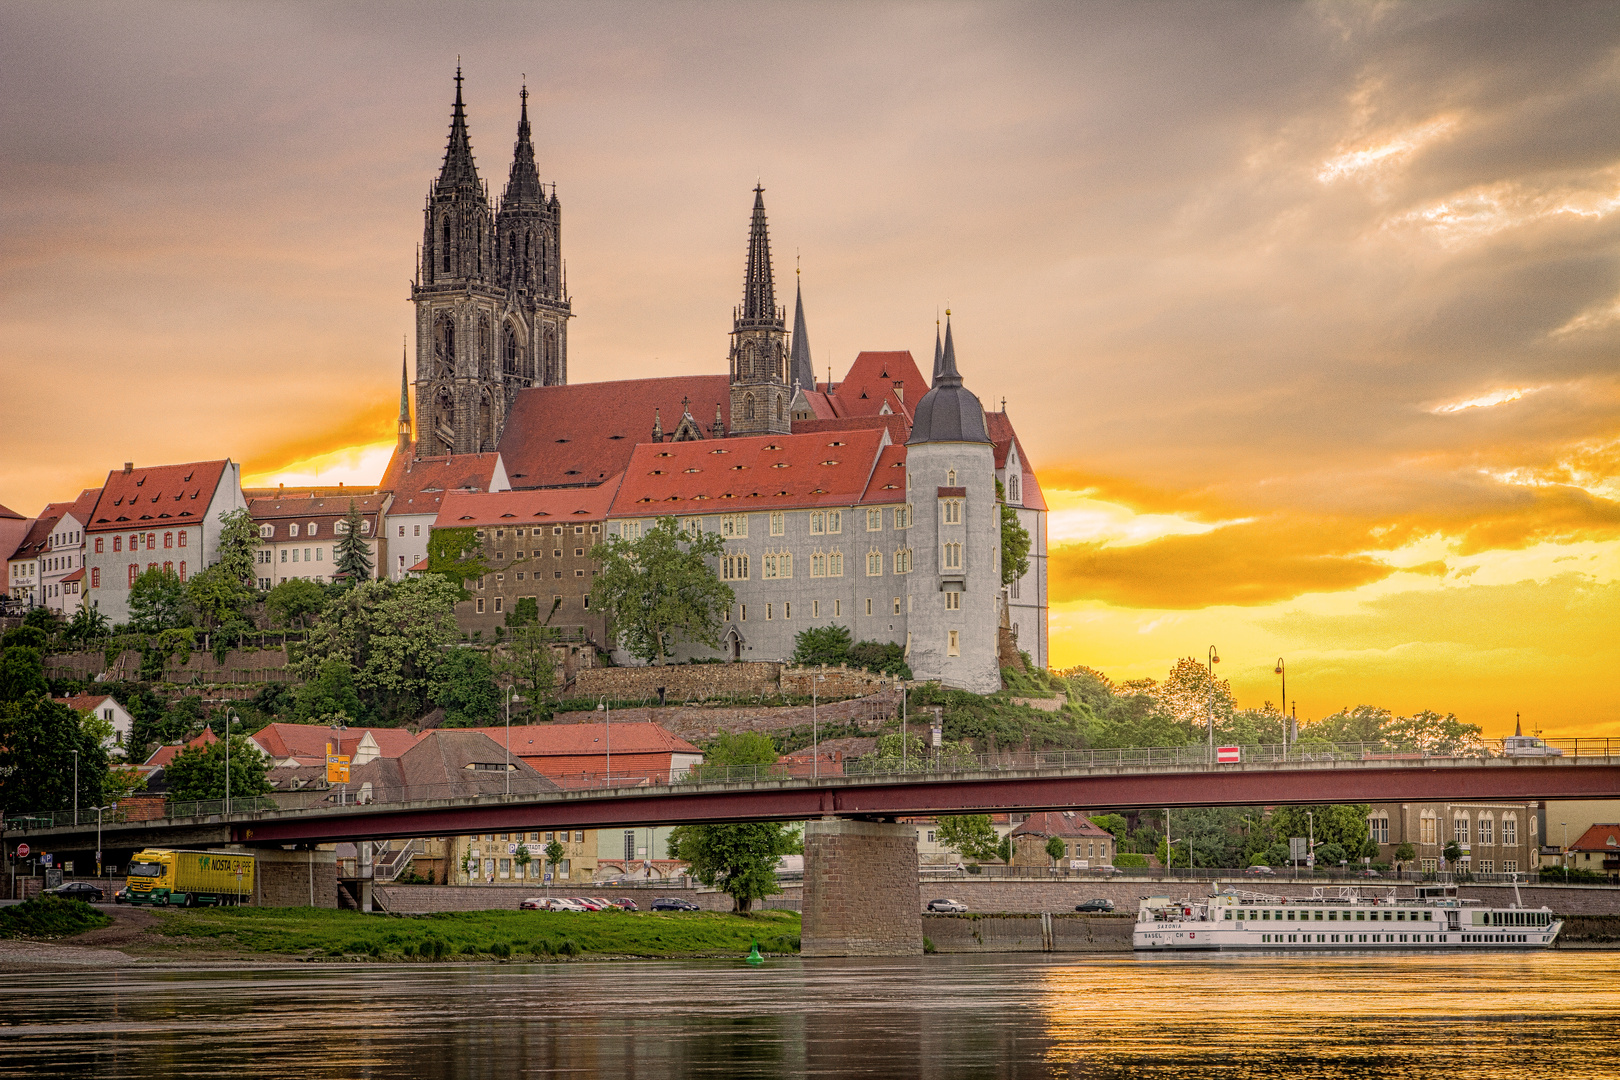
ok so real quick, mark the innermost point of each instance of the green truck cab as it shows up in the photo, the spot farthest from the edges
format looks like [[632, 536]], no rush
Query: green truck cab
[[161, 877]]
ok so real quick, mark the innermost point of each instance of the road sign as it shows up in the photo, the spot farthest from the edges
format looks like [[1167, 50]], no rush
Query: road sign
[[22, 851], [1296, 849], [1228, 755], [45, 860], [337, 768]]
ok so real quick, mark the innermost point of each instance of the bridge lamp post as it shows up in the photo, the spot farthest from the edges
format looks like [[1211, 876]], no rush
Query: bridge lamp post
[[1209, 712], [230, 714], [75, 788], [1284, 675], [603, 707], [99, 809], [815, 731], [1310, 842]]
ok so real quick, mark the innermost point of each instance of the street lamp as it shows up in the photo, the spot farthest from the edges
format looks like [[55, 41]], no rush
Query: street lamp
[[603, 706], [1284, 675], [903, 753], [1310, 842], [75, 788], [230, 714], [1209, 712], [99, 809], [815, 731]]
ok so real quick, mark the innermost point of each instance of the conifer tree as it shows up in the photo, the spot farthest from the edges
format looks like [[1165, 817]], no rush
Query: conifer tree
[[353, 557]]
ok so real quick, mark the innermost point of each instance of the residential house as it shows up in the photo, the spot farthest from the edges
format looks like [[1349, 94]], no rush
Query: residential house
[[62, 571], [416, 487], [1495, 838], [584, 755], [13, 528], [299, 534], [291, 745], [166, 515], [1598, 850], [105, 707], [25, 568], [1086, 846]]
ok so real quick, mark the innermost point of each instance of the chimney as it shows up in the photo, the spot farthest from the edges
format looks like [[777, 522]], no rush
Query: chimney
[[129, 467]]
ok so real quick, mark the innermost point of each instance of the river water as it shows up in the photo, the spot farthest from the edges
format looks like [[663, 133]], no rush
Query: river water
[[1469, 1017]]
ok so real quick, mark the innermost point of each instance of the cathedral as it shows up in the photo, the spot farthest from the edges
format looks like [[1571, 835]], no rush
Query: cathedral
[[871, 502]]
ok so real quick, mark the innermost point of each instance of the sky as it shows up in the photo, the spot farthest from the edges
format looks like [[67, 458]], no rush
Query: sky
[[1307, 315]]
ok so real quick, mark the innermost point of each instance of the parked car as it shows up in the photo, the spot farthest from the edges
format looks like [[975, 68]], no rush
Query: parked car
[[1098, 904], [78, 890], [624, 903], [585, 903], [673, 903], [1261, 871], [1106, 870], [562, 903], [121, 896], [533, 903], [952, 906], [1369, 872]]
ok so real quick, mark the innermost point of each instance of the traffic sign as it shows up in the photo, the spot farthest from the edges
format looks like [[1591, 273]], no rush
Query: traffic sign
[[1228, 755], [22, 851]]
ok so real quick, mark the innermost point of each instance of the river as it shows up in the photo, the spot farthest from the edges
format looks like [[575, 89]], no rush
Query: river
[[1470, 1017]]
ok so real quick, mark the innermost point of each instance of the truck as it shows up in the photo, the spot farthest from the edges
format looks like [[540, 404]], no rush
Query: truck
[[162, 877]]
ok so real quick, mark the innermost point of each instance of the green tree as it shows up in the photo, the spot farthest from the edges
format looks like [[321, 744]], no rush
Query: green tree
[[1193, 696], [22, 674], [456, 555], [394, 636], [466, 689], [43, 619], [1115, 824], [883, 657], [330, 691], [728, 749], [525, 660], [821, 645], [238, 540], [1405, 853], [38, 738], [659, 589], [353, 557], [198, 772], [157, 601], [1055, 848], [739, 860], [969, 835], [1014, 541], [1343, 825], [292, 600], [526, 612], [554, 857], [87, 624], [217, 596], [523, 858]]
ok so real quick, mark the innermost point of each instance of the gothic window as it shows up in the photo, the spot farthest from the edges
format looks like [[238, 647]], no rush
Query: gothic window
[[511, 253], [444, 344], [528, 254], [748, 406], [779, 407], [509, 357], [485, 360], [444, 249]]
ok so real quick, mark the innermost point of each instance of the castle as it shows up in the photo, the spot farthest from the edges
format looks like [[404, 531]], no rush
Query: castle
[[869, 502]]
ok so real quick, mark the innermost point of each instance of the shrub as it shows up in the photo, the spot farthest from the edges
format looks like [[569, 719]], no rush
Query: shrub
[[500, 949], [1126, 858], [48, 917], [567, 948], [928, 946]]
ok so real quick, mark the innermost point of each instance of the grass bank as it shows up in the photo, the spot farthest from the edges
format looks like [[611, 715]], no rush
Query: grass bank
[[44, 918], [475, 935]]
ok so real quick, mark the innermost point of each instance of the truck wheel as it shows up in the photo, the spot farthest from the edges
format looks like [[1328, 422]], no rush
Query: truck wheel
[[190, 901]]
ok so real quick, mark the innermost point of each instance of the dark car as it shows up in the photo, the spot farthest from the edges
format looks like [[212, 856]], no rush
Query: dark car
[[122, 896], [1099, 904], [624, 903], [955, 907], [77, 890], [673, 903]]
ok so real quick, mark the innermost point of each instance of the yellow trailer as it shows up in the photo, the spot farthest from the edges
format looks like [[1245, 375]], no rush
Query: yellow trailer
[[162, 877]]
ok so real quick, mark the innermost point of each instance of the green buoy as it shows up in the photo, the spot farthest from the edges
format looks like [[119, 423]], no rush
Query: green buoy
[[753, 955]]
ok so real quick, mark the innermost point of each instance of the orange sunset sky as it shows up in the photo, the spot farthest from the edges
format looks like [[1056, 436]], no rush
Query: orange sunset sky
[[1308, 315]]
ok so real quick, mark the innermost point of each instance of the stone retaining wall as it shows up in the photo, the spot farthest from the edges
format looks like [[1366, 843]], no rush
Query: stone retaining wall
[[683, 682], [705, 723], [1028, 933], [240, 666]]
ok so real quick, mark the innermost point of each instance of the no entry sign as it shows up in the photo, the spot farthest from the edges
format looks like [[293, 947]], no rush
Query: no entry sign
[[22, 851]]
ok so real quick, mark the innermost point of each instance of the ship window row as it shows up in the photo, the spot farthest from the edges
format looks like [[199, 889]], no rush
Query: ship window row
[[1330, 915], [1362, 939]]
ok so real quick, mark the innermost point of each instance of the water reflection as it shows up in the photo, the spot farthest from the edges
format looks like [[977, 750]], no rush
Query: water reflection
[[1472, 1016]]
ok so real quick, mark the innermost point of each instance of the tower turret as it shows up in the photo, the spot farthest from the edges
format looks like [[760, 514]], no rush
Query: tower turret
[[759, 353], [802, 371], [528, 251]]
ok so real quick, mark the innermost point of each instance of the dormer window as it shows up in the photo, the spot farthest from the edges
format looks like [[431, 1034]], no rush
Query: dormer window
[[292, 530], [312, 528], [950, 478]]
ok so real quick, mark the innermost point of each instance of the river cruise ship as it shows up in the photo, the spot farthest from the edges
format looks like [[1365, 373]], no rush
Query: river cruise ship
[[1338, 918]]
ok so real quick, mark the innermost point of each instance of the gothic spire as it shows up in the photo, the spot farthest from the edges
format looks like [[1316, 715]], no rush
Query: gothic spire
[[404, 402], [939, 356], [458, 159], [523, 184], [802, 371], [759, 286], [946, 371]]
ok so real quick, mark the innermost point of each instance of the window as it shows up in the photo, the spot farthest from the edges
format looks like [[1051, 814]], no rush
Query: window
[[952, 556], [770, 612], [134, 572], [95, 577], [292, 530], [902, 561], [416, 530], [1511, 866], [734, 566], [629, 530], [778, 523], [151, 541], [284, 554], [1459, 829], [869, 605], [953, 601], [690, 526], [902, 517], [787, 609], [402, 532], [838, 608], [1012, 490], [498, 600], [98, 545], [950, 478], [874, 563], [734, 525], [266, 531], [818, 564], [480, 608], [835, 563], [953, 646], [1487, 866], [826, 522], [1378, 828], [1510, 831], [318, 554], [312, 528], [950, 511], [897, 605], [1487, 831], [341, 528], [815, 609], [118, 543], [776, 564], [1427, 828], [874, 520], [1429, 866]]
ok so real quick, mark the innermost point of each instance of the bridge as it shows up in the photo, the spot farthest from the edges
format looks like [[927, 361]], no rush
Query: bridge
[[855, 850]]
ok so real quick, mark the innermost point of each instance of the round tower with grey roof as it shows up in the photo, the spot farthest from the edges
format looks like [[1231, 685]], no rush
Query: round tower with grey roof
[[955, 538]]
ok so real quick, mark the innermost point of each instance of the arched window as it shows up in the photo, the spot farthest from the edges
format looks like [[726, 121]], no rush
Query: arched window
[[509, 352], [748, 407], [779, 408], [444, 249], [511, 252], [528, 254], [485, 346]]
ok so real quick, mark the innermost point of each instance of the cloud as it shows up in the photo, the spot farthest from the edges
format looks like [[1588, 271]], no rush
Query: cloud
[[1248, 564]]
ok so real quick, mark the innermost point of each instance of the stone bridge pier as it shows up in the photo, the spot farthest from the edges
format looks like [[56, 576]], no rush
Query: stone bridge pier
[[861, 896]]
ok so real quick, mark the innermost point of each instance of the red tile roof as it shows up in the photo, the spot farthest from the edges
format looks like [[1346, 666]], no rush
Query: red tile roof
[[85, 505], [165, 754], [1059, 823], [279, 512], [1600, 837], [888, 482], [178, 493], [898, 427], [456, 472], [823, 406], [1000, 430], [7, 512], [37, 541], [870, 385], [584, 433], [551, 740], [77, 575], [755, 473], [282, 741], [86, 702], [518, 507]]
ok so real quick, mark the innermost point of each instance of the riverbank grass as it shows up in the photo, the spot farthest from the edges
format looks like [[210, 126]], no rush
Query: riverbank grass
[[477, 935], [46, 917]]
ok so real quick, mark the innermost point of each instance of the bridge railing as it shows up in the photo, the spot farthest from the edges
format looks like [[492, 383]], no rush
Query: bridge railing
[[494, 781]]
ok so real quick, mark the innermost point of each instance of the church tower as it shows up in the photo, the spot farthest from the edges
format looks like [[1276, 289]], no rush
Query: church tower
[[481, 314], [528, 253], [760, 391]]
